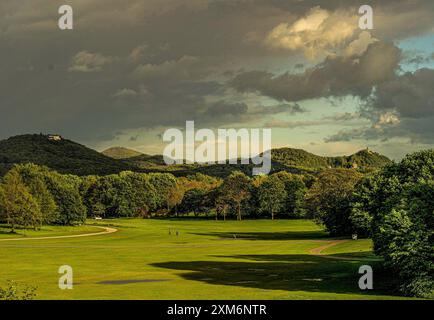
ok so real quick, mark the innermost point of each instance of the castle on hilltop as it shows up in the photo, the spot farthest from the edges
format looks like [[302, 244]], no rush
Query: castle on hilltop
[[54, 137]]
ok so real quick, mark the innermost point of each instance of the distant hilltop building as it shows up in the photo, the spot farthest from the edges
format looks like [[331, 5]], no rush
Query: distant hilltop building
[[54, 137]]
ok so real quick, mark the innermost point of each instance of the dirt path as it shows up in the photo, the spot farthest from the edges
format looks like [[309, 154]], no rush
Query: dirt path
[[106, 231], [318, 251]]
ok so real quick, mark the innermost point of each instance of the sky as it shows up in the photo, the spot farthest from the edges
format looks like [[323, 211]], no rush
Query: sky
[[131, 69]]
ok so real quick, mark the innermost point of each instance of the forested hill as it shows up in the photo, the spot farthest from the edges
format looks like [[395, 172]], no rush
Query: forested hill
[[62, 155], [120, 153], [67, 156], [134, 158], [364, 159]]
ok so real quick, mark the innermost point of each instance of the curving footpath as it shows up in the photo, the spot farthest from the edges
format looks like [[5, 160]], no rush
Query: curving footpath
[[107, 230], [318, 251]]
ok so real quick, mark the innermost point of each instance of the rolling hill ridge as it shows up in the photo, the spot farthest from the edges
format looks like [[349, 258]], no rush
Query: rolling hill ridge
[[67, 156], [120, 153], [62, 155]]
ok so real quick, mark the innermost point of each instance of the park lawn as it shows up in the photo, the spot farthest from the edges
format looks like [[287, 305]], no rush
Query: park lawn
[[46, 231], [146, 259]]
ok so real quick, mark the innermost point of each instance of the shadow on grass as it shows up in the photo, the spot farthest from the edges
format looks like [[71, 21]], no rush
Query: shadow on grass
[[4, 229], [287, 235], [299, 272]]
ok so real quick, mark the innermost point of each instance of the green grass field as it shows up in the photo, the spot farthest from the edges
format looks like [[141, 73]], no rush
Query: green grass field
[[264, 260], [46, 231]]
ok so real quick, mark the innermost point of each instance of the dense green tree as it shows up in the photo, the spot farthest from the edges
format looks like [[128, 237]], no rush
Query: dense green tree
[[103, 197], [175, 196], [19, 206], [236, 189], [163, 184], [127, 194], [66, 194], [399, 203], [221, 206], [33, 176], [213, 201], [272, 195], [295, 190], [362, 204], [330, 198], [88, 183], [142, 195], [193, 201]]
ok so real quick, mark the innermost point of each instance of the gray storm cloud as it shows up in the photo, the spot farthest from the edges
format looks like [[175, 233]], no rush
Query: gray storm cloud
[[142, 64], [337, 76]]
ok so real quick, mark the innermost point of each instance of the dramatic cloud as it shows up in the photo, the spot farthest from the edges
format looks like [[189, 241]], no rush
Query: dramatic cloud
[[410, 94], [400, 107], [319, 32], [134, 66], [335, 77]]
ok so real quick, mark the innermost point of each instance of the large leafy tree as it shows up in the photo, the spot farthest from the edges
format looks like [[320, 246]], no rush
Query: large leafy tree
[[398, 202], [271, 195], [18, 205], [329, 200], [364, 203], [236, 190], [215, 199], [295, 190], [65, 190], [174, 197], [127, 194], [194, 201], [33, 176], [164, 184], [106, 197], [141, 194]]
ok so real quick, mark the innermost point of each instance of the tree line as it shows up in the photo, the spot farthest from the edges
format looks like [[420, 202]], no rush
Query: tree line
[[394, 206], [33, 195]]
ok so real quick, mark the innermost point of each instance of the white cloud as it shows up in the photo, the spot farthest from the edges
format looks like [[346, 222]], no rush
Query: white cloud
[[85, 61], [386, 119], [319, 32], [357, 47]]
